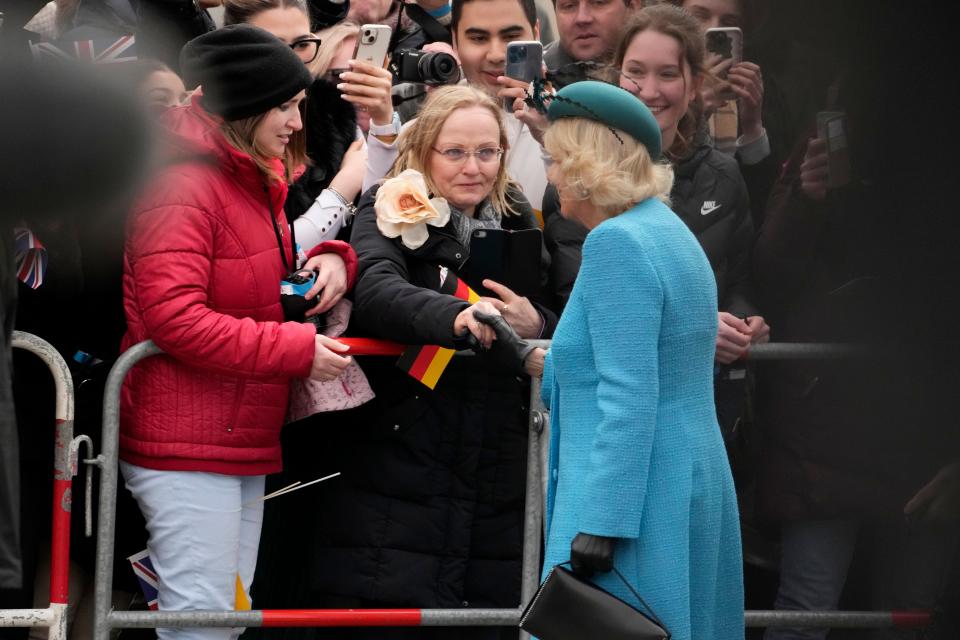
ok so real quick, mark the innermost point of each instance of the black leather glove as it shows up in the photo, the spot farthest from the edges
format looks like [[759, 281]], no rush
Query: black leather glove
[[466, 341], [509, 349], [589, 553]]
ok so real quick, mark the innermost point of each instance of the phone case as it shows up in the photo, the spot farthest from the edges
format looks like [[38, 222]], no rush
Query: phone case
[[727, 42], [832, 128], [524, 62], [373, 43], [511, 258]]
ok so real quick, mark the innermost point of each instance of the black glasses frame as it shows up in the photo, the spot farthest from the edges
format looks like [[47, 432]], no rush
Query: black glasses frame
[[316, 42]]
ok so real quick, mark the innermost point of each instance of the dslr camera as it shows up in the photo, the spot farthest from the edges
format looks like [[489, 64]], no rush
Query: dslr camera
[[414, 65]]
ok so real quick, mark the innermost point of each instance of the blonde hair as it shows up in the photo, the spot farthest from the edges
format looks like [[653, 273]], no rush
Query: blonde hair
[[415, 143], [330, 40], [242, 135], [610, 174]]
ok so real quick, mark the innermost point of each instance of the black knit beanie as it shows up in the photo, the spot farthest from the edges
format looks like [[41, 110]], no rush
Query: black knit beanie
[[243, 71]]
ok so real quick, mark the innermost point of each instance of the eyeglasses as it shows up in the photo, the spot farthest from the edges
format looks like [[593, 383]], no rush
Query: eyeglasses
[[485, 155], [306, 49]]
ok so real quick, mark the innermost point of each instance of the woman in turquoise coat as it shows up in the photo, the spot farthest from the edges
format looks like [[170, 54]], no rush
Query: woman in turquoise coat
[[638, 477]]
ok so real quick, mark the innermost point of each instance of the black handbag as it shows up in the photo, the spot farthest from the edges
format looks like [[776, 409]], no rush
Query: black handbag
[[569, 608]]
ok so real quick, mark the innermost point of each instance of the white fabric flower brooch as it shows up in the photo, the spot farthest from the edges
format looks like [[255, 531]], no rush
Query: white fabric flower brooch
[[404, 209]]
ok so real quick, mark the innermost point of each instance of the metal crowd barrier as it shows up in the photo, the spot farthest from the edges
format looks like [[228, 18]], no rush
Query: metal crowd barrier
[[65, 454], [105, 619]]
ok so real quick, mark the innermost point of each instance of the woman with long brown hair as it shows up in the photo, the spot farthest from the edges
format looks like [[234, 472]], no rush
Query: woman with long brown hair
[[207, 247], [660, 60]]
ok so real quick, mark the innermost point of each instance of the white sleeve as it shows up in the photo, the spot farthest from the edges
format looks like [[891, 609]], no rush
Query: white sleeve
[[380, 157], [321, 222], [755, 151]]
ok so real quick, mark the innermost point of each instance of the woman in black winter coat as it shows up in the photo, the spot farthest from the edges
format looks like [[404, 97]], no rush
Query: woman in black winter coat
[[429, 509]]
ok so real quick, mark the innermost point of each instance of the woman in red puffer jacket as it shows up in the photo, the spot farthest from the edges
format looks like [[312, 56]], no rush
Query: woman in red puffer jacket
[[207, 247]]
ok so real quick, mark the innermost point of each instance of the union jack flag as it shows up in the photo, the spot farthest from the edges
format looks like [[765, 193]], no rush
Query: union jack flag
[[30, 258], [146, 576], [99, 51], [149, 582]]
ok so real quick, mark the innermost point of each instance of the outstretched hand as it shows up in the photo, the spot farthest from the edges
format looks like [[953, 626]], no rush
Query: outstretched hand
[[516, 310]]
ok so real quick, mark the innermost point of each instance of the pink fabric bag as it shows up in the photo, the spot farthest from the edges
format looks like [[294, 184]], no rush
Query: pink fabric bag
[[350, 390]]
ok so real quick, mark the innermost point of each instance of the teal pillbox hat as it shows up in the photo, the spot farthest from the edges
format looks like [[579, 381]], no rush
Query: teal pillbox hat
[[611, 106]]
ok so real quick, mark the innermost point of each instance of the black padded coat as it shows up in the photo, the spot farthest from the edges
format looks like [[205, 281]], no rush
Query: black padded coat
[[429, 510]]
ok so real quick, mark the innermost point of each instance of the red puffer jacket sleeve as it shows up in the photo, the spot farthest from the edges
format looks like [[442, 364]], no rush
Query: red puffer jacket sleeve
[[346, 253], [171, 257]]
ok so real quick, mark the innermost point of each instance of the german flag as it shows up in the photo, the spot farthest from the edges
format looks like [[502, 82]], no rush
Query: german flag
[[427, 363]]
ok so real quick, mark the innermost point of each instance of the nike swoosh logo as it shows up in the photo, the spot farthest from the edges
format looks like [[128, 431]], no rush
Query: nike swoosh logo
[[704, 210]]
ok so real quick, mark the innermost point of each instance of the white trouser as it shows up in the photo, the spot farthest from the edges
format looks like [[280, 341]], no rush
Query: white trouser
[[204, 531]]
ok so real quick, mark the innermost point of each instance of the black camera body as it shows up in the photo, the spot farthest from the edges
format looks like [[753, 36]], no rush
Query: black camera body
[[293, 291], [414, 65]]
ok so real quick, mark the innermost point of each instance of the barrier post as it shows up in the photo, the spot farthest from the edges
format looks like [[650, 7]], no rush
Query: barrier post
[[107, 461], [54, 616], [533, 504]]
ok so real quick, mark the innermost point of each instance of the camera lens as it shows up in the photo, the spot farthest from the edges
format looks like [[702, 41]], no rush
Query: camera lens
[[438, 68]]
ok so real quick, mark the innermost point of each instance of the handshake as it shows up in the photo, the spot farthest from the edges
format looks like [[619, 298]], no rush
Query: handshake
[[507, 348]]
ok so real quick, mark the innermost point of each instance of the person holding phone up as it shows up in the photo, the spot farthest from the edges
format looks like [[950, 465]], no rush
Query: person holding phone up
[[748, 115], [857, 459], [322, 192], [708, 193]]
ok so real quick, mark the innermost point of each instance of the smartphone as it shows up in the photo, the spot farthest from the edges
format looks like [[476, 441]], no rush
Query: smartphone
[[832, 128], [524, 62], [726, 42], [511, 258], [373, 44]]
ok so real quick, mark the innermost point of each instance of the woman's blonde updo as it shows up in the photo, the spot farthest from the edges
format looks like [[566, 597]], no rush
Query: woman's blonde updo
[[612, 174]]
